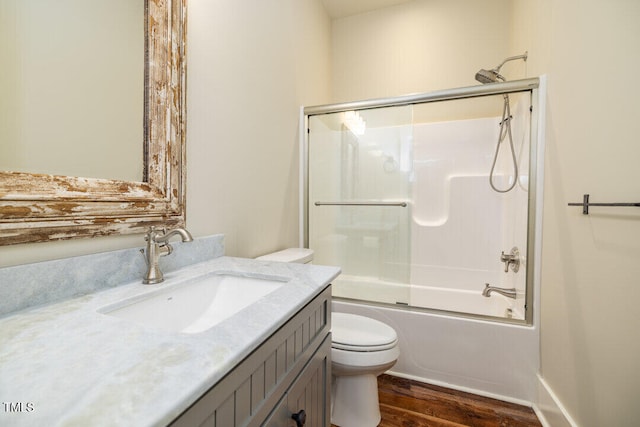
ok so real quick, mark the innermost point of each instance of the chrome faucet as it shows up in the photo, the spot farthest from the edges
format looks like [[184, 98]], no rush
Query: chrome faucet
[[157, 246], [507, 292]]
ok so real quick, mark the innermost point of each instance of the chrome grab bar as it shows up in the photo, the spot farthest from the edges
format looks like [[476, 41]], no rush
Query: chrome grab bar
[[363, 203]]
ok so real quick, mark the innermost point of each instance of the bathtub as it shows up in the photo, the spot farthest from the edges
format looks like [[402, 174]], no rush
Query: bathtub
[[488, 358], [463, 301], [431, 297]]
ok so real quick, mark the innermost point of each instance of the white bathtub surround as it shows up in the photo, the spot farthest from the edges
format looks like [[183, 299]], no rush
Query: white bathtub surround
[[488, 358], [459, 225], [31, 285], [77, 366]]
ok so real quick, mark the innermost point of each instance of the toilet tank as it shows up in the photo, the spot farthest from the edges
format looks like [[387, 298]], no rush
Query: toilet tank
[[298, 255]]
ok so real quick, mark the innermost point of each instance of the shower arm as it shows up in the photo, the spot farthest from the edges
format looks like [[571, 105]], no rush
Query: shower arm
[[511, 58]]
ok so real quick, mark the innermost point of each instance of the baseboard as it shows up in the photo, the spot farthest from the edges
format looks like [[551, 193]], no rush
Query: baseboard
[[549, 409]]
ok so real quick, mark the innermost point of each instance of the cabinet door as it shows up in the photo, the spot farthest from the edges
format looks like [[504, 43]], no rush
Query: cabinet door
[[280, 416], [309, 394]]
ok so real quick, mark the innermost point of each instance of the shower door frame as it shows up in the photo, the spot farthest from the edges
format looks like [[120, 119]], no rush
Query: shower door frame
[[535, 183]]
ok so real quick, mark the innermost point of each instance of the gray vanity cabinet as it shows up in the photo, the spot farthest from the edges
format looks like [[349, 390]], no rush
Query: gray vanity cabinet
[[289, 373]]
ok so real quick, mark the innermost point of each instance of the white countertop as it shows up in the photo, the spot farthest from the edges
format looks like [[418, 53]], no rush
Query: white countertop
[[67, 364]]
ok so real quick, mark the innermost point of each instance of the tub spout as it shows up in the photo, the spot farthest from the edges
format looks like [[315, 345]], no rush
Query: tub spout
[[507, 292]]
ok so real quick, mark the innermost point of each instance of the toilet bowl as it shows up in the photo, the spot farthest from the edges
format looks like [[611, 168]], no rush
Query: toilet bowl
[[361, 349]]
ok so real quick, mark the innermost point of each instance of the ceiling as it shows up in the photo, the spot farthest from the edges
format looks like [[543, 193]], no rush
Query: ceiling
[[342, 8]]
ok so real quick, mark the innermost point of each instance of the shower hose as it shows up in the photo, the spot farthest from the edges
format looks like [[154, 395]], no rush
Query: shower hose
[[505, 130]]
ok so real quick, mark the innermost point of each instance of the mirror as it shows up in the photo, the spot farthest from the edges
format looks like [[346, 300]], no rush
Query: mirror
[[57, 56], [37, 207]]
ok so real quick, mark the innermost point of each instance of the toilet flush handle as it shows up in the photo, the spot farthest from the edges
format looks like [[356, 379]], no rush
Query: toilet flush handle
[[300, 418]]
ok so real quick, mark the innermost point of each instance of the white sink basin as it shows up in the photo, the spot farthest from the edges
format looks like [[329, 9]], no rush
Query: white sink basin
[[196, 305]]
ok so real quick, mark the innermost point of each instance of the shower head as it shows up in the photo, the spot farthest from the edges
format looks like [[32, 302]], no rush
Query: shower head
[[492, 76], [488, 76]]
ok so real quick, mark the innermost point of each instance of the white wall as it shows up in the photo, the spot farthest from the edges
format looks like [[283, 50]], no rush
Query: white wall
[[419, 46], [251, 65], [590, 342]]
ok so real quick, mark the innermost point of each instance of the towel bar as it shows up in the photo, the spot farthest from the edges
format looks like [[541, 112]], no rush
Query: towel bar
[[585, 204], [362, 203]]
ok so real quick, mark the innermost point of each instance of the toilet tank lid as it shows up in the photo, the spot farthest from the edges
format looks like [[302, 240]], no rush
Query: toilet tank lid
[[299, 255]]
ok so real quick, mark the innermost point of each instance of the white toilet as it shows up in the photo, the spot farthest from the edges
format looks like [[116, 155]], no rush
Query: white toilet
[[361, 349]]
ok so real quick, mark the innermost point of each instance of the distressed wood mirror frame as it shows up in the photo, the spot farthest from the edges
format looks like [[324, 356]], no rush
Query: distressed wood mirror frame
[[39, 208]]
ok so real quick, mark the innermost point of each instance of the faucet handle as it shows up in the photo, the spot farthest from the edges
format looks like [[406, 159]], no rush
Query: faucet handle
[[154, 232], [506, 259], [512, 259]]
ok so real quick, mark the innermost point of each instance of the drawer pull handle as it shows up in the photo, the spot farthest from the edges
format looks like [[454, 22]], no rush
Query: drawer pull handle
[[300, 418]]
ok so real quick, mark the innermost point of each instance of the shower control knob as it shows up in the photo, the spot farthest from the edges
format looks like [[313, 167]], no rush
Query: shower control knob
[[511, 260], [300, 418]]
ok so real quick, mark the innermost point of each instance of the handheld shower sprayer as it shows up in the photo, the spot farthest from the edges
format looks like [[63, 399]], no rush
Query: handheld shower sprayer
[[493, 75]]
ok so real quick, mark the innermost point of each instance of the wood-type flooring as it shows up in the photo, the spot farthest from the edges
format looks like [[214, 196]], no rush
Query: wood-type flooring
[[407, 403]]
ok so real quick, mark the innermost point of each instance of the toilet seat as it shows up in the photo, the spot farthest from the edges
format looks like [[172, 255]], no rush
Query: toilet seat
[[351, 332], [362, 348], [368, 360]]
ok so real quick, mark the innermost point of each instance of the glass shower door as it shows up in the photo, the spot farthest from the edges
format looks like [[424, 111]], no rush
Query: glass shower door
[[360, 165], [429, 204]]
